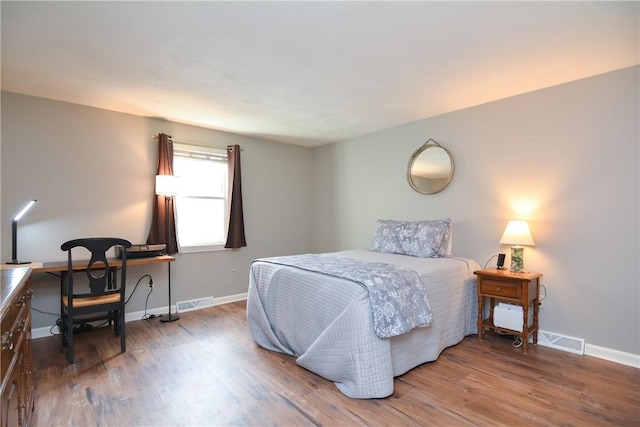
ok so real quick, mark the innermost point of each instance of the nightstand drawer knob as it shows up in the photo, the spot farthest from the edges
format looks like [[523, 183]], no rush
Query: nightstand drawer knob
[[499, 288]]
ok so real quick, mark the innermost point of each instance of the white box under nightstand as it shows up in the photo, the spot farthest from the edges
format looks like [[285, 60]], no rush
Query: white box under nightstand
[[509, 316]]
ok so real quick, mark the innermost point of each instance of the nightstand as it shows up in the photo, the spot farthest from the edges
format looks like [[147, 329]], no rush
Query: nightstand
[[514, 288]]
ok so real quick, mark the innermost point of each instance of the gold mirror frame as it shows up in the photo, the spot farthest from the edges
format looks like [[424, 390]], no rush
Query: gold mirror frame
[[428, 171]]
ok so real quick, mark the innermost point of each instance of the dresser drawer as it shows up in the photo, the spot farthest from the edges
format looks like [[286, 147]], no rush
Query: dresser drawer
[[17, 389], [499, 288], [13, 328]]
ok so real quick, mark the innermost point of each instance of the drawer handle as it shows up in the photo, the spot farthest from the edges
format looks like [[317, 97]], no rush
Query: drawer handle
[[499, 288], [21, 324], [21, 301], [30, 293], [7, 341]]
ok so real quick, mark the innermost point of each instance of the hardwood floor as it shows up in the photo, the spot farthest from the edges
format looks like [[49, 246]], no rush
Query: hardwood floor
[[205, 369]]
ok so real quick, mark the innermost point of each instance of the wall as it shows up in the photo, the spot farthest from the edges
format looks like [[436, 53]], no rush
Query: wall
[[93, 174], [564, 158]]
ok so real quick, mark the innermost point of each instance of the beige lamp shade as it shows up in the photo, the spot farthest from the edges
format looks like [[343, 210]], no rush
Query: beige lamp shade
[[517, 233]]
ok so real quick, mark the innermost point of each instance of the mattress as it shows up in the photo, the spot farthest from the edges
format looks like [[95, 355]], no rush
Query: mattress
[[326, 322]]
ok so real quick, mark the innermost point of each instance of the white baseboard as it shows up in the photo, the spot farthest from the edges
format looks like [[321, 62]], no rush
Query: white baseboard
[[612, 355], [231, 298], [605, 353], [137, 315], [43, 332]]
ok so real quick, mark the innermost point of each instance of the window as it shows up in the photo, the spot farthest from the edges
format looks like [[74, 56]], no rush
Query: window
[[201, 207]]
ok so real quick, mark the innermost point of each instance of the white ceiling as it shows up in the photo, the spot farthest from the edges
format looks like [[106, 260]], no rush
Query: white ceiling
[[306, 73]]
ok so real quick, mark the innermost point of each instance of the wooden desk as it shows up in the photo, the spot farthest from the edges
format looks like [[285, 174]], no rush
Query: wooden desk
[[60, 266], [114, 264]]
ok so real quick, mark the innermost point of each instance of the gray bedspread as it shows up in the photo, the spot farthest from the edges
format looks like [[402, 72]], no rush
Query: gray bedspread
[[327, 323], [398, 298]]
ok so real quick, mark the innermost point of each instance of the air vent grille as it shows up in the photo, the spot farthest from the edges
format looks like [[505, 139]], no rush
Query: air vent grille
[[561, 342], [194, 304]]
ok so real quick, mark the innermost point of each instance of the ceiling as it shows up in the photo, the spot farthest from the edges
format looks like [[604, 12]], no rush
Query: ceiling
[[306, 73]]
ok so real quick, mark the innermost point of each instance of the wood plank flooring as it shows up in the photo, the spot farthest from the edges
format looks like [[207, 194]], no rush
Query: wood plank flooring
[[205, 370]]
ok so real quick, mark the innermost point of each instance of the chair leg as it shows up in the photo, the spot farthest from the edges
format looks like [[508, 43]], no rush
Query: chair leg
[[113, 320], [117, 325], [66, 332], [123, 343], [69, 333], [61, 326]]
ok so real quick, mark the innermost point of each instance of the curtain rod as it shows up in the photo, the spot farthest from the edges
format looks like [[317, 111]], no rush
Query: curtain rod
[[193, 143]]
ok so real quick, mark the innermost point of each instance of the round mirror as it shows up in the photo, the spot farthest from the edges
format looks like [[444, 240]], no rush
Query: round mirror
[[430, 168]]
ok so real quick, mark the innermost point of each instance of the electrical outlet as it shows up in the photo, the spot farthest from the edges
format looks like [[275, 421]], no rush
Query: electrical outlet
[[542, 296]]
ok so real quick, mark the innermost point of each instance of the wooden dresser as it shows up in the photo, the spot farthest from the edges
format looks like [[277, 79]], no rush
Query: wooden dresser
[[18, 388]]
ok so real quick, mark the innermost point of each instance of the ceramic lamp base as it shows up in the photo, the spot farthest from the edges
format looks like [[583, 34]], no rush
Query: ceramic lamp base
[[517, 258]]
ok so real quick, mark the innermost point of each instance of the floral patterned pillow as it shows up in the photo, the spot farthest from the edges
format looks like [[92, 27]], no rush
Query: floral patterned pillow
[[424, 239]]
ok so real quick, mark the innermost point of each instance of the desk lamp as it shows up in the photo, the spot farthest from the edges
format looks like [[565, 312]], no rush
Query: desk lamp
[[518, 234], [168, 186], [14, 234]]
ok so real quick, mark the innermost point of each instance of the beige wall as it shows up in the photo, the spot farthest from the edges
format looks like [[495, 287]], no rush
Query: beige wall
[[565, 158], [93, 172]]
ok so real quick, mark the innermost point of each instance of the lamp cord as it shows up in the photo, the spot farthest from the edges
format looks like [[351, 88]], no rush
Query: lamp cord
[[489, 260], [136, 286]]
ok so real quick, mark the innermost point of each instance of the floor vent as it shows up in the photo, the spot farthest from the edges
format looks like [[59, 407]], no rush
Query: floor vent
[[561, 342], [194, 304]]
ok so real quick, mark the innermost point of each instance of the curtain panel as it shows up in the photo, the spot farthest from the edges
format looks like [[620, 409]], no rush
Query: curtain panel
[[235, 235], [158, 230]]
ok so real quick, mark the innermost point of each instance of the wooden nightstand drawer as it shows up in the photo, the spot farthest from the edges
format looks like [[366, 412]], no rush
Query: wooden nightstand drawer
[[500, 288]]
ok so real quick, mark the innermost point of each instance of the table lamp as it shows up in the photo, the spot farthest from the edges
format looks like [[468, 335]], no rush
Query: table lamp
[[14, 234], [517, 234], [168, 186]]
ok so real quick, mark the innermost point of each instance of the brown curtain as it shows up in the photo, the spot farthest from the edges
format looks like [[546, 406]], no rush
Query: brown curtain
[[158, 231], [235, 235]]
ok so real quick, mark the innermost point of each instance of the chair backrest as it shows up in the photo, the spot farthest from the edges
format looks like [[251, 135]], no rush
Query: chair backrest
[[100, 275]]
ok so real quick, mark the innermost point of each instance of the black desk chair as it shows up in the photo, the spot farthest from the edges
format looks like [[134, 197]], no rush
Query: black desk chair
[[104, 297]]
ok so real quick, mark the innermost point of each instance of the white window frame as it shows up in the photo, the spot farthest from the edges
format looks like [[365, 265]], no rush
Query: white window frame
[[200, 153]]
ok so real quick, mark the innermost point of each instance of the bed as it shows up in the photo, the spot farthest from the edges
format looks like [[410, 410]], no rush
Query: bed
[[328, 322]]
